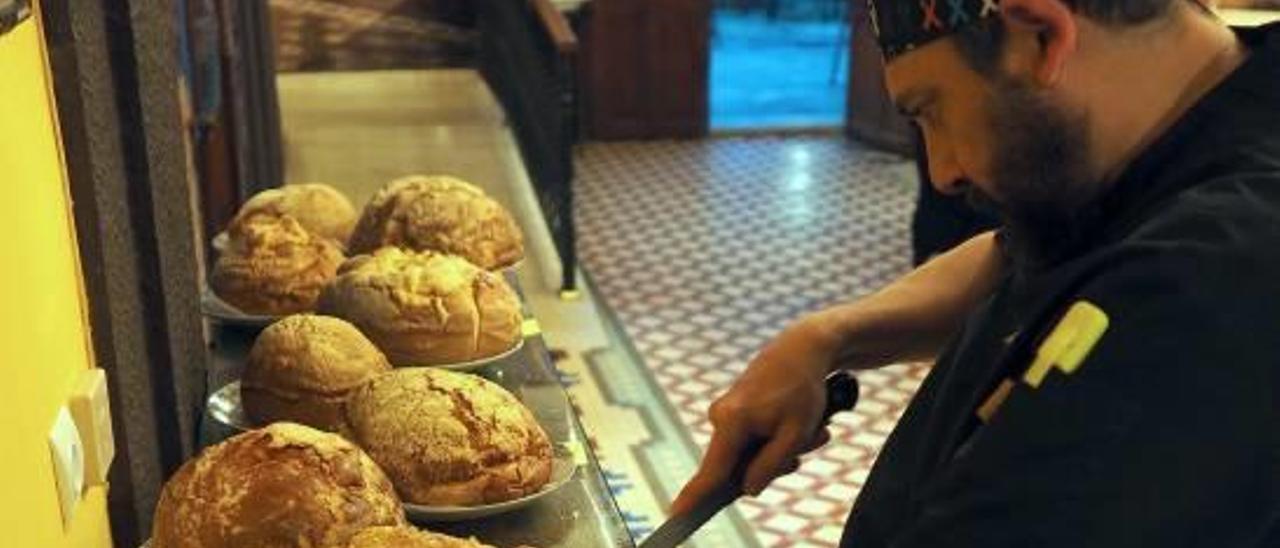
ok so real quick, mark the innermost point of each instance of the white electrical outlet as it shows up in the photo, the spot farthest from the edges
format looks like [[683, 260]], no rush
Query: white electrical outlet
[[68, 463], [91, 409]]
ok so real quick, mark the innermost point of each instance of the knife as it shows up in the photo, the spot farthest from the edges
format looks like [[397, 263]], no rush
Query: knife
[[842, 395]]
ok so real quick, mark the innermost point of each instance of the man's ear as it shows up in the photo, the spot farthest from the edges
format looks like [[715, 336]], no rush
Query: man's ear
[[1043, 35]]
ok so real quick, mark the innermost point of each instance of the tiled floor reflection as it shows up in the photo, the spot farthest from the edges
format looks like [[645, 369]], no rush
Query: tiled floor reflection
[[705, 249], [326, 35]]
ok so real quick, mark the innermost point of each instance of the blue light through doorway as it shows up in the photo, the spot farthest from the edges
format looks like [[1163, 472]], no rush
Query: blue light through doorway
[[778, 64]]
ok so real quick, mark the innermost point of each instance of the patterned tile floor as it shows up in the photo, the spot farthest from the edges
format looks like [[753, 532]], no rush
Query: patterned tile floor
[[706, 249]]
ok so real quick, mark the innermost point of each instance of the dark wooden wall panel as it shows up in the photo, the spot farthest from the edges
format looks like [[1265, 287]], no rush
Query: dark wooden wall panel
[[645, 68], [872, 118], [613, 95], [677, 47]]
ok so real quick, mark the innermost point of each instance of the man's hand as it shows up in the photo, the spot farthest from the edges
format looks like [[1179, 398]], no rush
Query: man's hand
[[776, 406]]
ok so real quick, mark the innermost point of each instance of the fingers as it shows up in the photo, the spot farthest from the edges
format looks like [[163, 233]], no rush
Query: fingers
[[775, 458], [726, 447], [820, 439], [722, 457]]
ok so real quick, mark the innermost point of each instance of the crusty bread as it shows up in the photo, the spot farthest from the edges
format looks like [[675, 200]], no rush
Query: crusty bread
[[441, 214], [408, 537], [272, 266], [284, 486], [319, 208], [450, 439], [302, 368], [424, 308]]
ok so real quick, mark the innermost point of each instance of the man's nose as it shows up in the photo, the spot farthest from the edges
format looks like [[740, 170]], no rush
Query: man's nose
[[944, 172]]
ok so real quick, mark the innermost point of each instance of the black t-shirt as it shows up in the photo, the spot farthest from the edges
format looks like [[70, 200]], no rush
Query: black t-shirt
[[1169, 432]]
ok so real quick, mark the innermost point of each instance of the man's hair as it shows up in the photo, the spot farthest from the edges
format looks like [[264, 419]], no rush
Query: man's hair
[[981, 43]]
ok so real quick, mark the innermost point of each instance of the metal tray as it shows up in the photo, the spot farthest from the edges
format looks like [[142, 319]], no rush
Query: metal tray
[[214, 307]]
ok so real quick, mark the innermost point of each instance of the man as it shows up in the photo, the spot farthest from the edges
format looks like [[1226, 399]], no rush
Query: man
[[941, 222], [1131, 147]]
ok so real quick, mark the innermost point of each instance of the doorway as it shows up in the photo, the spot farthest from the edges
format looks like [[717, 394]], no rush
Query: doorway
[[779, 64]]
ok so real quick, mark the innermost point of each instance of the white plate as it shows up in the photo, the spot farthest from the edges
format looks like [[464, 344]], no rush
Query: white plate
[[214, 307], [220, 241], [513, 268], [563, 469], [225, 407], [473, 365]]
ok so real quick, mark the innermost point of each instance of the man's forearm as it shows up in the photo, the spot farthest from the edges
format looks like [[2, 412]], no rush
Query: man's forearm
[[911, 318]]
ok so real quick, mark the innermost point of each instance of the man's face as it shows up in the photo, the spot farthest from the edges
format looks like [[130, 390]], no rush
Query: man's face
[[1004, 143]]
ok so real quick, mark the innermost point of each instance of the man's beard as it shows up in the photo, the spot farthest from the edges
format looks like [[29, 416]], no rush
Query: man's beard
[[1040, 169]]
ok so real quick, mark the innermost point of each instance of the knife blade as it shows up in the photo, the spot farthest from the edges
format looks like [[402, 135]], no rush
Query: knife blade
[[842, 395]]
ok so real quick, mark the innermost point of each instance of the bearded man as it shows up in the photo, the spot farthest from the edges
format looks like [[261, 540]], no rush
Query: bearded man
[[1107, 363]]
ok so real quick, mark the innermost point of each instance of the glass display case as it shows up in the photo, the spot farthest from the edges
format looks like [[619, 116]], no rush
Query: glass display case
[[582, 512]]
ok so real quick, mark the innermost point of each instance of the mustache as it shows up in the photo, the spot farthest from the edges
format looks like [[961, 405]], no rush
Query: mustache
[[981, 201]]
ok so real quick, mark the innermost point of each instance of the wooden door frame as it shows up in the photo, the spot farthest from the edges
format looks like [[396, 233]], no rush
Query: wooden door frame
[[649, 62], [114, 75], [251, 98]]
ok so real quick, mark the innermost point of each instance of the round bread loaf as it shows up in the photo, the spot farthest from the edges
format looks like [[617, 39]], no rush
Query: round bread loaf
[[441, 214], [408, 537], [273, 266], [450, 439], [284, 486], [302, 368], [424, 308], [319, 208]]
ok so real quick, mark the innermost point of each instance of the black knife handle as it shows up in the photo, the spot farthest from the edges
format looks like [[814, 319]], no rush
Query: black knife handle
[[842, 394]]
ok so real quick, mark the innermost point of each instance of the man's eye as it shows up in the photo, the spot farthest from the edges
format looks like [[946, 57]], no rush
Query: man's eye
[[928, 116]]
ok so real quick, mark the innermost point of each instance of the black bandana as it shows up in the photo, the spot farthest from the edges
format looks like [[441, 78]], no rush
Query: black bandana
[[903, 25]]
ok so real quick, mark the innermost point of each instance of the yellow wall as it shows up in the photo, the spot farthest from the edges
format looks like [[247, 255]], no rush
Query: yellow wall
[[43, 333]]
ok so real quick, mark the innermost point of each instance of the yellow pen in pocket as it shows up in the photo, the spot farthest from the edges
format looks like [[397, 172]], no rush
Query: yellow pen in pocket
[[1065, 348], [1069, 343]]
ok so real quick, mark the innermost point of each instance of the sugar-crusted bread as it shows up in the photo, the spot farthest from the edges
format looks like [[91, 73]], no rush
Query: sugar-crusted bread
[[273, 266], [443, 214], [284, 486], [450, 439], [424, 308], [319, 208], [302, 368]]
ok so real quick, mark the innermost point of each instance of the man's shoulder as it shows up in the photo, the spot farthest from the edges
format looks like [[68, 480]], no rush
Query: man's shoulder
[[1197, 285], [1231, 220], [1209, 255]]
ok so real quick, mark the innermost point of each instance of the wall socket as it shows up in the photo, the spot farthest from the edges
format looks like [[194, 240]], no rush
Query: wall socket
[[68, 463], [91, 409]]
